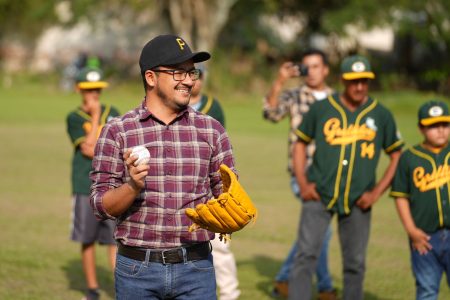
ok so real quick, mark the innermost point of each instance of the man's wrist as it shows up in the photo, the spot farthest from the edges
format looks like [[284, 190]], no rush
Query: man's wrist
[[376, 193], [302, 180], [279, 82], [133, 187]]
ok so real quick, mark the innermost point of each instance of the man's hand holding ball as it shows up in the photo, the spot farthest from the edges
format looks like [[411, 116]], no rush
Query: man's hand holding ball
[[136, 160]]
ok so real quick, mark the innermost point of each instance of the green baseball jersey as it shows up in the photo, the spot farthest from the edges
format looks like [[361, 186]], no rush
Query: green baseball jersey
[[78, 125], [211, 107], [348, 146], [423, 177]]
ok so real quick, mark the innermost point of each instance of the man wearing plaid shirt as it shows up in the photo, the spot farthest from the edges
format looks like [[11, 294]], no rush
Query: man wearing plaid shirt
[[157, 257], [294, 103]]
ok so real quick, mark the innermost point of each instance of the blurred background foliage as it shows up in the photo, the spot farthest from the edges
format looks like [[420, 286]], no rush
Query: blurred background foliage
[[249, 38]]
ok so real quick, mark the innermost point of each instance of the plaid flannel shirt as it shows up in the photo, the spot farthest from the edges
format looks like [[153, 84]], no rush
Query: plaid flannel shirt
[[185, 156], [294, 103]]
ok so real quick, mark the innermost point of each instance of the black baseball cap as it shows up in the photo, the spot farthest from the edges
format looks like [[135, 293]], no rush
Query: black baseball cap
[[168, 50]]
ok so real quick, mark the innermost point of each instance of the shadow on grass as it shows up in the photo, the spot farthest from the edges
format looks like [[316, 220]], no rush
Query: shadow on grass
[[268, 267], [75, 277]]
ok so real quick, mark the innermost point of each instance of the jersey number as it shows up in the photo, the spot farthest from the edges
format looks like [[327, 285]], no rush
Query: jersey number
[[367, 150]]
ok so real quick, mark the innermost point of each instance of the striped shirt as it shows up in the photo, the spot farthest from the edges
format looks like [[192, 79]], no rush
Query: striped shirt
[[185, 156]]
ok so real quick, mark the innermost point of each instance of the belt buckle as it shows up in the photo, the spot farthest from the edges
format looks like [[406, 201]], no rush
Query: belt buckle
[[163, 256]]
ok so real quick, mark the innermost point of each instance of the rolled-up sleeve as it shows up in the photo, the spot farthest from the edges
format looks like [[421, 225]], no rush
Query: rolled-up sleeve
[[107, 168], [276, 114]]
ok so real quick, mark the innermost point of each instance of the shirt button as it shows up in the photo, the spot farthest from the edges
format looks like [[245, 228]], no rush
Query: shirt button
[[345, 162]]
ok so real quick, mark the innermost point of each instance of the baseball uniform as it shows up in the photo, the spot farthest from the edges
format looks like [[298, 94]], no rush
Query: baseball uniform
[[421, 187], [348, 146], [211, 107], [423, 177], [84, 223]]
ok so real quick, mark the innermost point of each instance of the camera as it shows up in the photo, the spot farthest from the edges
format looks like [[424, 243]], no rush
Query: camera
[[302, 69]]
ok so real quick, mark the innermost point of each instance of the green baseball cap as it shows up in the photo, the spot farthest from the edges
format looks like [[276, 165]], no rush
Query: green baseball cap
[[356, 67], [433, 112], [90, 78]]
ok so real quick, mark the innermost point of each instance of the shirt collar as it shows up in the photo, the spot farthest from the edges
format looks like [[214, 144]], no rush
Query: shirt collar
[[308, 90], [144, 113]]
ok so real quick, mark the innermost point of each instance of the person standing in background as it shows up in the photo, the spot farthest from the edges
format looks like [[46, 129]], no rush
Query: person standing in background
[[223, 258], [294, 103], [421, 191], [83, 126], [350, 130]]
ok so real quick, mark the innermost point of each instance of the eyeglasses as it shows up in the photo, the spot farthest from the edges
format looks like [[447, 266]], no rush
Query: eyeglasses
[[180, 75]]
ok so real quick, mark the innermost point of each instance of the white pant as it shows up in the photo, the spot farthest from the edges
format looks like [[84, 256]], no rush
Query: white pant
[[225, 268]]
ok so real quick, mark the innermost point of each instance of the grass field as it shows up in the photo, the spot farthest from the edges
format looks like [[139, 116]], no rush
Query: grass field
[[38, 261]]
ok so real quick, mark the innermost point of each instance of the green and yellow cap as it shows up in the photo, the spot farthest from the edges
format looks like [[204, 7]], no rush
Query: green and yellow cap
[[356, 67], [91, 78], [433, 112]]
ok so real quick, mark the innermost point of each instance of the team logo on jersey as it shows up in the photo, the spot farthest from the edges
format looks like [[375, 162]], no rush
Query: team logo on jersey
[[371, 124], [435, 111], [335, 135], [425, 182], [358, 67]]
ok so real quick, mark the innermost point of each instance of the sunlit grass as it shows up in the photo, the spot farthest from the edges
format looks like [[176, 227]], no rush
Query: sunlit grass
[[38, 261]]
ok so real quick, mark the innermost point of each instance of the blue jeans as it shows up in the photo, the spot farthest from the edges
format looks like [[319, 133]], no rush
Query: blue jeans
[[193, 280], [428, 268], [324, 282]]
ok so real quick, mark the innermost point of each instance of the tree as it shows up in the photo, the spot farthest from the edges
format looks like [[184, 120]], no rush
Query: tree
[[422, 30], [26, 17], [423, 27], [198, 21]]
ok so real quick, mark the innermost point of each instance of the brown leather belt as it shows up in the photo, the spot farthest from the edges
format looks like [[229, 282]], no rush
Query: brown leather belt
[[169, 256]]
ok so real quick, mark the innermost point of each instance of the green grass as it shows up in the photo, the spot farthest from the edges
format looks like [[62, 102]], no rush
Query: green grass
[[38, 261]]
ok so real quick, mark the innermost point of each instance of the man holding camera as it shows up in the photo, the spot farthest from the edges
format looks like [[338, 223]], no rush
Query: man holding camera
[[294, 103]]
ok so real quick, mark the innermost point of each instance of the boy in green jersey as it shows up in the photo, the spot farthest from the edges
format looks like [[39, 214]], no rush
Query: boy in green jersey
[[421, 189], [205, 103], [83, 126]]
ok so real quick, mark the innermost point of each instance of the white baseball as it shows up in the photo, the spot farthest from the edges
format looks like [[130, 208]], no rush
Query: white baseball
[[143, 155]]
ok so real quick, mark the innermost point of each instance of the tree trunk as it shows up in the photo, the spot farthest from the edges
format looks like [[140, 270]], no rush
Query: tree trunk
[[199, 21]]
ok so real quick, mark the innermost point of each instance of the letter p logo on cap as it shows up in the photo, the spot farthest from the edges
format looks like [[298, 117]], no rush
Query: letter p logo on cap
[[181, 43]]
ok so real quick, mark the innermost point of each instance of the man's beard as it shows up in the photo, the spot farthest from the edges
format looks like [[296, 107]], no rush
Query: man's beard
[[170, 102]]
